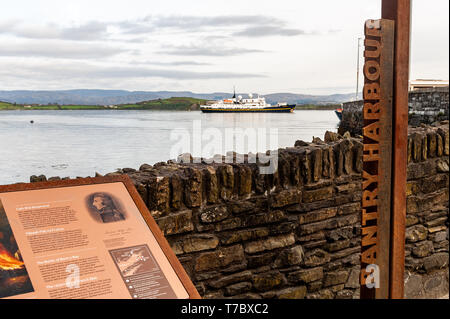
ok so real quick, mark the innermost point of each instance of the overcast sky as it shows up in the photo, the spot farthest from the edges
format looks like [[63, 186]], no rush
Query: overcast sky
[[203, 46]]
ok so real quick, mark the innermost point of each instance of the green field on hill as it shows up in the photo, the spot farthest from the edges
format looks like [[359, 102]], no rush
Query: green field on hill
[[173, 103], [7, 106]]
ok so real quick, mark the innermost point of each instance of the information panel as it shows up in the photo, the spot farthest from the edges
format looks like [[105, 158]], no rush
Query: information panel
[[61, 240]]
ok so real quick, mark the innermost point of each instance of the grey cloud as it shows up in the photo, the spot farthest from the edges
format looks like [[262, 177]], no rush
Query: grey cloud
[[134, 40], [249, 25], [269, 30], [254, 25], [121, 72], [82, 70], [59, 50], [194, 22], [85, 32], [207, 51], [184, 63], [172, 63], [89, 31], [134, 27]]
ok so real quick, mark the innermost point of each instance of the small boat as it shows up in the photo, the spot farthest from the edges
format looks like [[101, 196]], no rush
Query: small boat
[[250, 105], [338, 114]]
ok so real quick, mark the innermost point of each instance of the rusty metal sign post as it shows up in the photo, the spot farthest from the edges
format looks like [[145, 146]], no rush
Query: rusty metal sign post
[[377, 134], [400, 12], [385, 114]]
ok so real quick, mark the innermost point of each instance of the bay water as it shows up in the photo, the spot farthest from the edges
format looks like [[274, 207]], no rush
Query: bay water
[[82, 142]]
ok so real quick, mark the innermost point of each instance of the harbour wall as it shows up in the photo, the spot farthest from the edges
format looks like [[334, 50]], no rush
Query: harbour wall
[[296, 233], [426, 106]]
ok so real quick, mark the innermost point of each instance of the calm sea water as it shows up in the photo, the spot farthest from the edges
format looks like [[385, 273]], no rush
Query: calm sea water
[[80, 143]]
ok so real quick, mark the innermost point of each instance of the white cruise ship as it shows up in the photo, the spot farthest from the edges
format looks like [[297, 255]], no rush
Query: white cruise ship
[[250, 104]]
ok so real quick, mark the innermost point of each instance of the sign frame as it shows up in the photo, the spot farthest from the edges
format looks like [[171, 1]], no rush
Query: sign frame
[[145, 213]]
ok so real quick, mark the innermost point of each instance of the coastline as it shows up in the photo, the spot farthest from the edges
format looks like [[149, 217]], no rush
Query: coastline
[[187, 108], [177, 104]]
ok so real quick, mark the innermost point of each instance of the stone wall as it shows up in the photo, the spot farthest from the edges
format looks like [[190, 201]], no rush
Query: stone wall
[[296, 233], [426, 257], [239, 234], [426, 106], [352, 118]]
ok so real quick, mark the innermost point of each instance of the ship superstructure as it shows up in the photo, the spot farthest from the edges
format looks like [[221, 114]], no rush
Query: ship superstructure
[[250, 104]]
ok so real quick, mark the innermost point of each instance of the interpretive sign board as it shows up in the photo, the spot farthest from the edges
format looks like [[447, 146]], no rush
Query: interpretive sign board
[[85, 238]]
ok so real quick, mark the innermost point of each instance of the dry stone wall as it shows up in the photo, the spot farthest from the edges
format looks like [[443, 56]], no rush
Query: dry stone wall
[[240, 234], [428, 105], [426, 257], [296, 233], [425, 106]]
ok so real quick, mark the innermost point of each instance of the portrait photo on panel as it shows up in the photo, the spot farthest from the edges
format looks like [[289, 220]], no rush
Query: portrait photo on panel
[[105, 207]]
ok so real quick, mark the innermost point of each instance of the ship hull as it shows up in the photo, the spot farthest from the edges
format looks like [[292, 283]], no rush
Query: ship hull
[[271, 109]]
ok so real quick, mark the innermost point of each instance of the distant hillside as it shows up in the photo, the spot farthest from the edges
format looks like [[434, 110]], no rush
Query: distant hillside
[[292, 98], [171, 104], [6, 106], [108, 97]]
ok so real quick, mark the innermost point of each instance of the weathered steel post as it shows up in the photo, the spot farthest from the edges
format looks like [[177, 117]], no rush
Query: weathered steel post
[[400, 12], [377, 150], [385, 132]]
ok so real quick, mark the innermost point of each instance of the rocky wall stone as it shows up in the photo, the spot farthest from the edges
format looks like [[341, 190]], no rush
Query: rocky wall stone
[[296, 233]]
